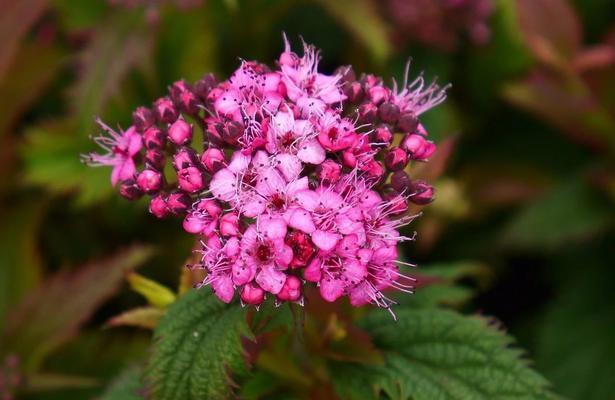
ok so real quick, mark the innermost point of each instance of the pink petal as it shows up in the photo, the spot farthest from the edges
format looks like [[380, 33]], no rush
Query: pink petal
[[253, 205], [224, 185], [312, 272], [228, 102], [242, 273], [249, 238], [272, 227], [308, 199], [299, 184], [354, 271], [270, 182], [134, 141], [223, 288], [331, 199], [360, 294], [348, 246], [311, 152], [290, 166], [239, 162], [300, 219], [270, 279], [283, 255], [325, 240], [331, 289]]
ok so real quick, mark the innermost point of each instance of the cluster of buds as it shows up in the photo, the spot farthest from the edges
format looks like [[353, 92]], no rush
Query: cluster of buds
[[441, 23], [298, 179]]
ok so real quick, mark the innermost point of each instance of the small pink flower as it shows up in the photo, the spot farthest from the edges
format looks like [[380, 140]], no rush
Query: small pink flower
[[203, 218], [121, 150], [190, 179]]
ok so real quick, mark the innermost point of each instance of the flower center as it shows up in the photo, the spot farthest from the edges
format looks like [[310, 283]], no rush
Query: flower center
[[263, 253], [277, 201], [288, 139]]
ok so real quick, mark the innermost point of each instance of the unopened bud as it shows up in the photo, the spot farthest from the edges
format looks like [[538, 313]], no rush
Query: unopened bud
[[149, 181], [180, 132]]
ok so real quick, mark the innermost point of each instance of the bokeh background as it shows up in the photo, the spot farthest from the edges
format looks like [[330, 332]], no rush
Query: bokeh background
[[525, 173]]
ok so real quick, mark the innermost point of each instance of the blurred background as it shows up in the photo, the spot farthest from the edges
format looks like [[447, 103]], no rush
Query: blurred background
[[525, 172]]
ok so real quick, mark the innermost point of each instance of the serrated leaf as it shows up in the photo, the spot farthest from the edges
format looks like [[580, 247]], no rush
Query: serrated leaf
[[196, 345], [439, 354], [362, 19], [126, 386], [53, 312], [141, 317], [156, 294]]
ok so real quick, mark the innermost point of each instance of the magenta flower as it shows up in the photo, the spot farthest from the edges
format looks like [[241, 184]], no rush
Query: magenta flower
[[121, 149], [298, 180]]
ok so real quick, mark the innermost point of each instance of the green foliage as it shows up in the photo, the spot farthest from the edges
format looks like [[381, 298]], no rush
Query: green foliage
[[575, 335], [126, 386], [197, 344], [438, 354], [570, 211]]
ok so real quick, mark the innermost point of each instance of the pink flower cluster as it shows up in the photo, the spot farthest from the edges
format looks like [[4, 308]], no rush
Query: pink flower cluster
[[298, 179]]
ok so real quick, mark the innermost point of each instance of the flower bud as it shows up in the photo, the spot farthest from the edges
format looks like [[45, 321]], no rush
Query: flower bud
[[401, 182], [178, 202], [190, 179], [407, 122], [417, 147], [129, 190], [143, 118], [165, 111], [396, 159], [421, 193], [378, 94], [158, 206], [155, 158], [149, 181], [204, 85], [349, 159], [354, 92], [346, 74], [291, 291], [388, 112], [397, 204], [154, 137], [185, 157], [232, 131], [180, 132], [329, 172], [229, 224], [382, 136], [184, 98], [252, 294], [374, 169], [302, 247], [367, 113], [212, 159]]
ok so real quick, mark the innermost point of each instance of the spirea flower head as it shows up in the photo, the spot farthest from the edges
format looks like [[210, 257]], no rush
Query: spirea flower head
[[300, 180]]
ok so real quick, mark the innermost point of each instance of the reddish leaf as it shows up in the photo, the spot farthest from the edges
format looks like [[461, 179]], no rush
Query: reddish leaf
[[54, 312], [550, 28], [16, 18]]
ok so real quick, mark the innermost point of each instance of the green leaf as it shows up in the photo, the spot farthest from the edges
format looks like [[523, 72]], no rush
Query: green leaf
[[59, 306], [362, 19], [126, 386], [155, 293], [197, 343], [570, 211], [51, 158], [439, 354]]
